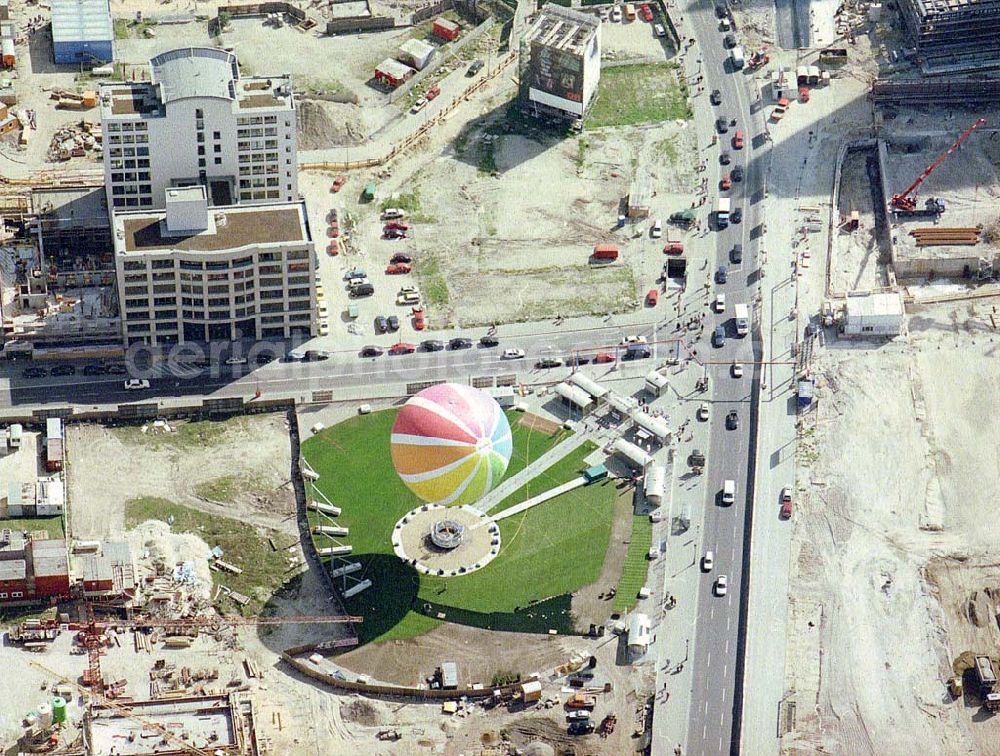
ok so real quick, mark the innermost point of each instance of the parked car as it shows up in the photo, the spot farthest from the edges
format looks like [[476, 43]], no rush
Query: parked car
[[393, 322], [402, 348], [738, 139], [355, 273], [725, 158], [63, 370], [732, 420], [616, 15], [398, 269], [381, 324], [721, 275], [729, 40], [236, 361], [659, 30], [391, 213], [719, 337], [489, 341], [117, 370], [35, 372], [725, 183], [737, 215], [460, 343], [372, 351], [716, 97], [432, 345], [673, 248], [393, 233], [362, 290], [721, 585], [94, 369], [400, 257], [707, 562], [575, 360], [419, 105], [136, 384], [603, 358], [647, 12], [316, 355], [512, 354], [786, 503], [737, 173], [628, 340], [720, 303], [736, 255], [396, 224], [476, 67], [418, 319], [656, 230], [548, 362], [722, 124], [703, 411], [737, 369], [433, 92]]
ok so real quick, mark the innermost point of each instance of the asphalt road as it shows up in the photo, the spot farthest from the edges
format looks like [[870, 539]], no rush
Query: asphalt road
[[718, 625], [342, 370]]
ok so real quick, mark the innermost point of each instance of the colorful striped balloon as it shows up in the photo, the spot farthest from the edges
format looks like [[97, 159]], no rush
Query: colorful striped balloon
[[451, 444]]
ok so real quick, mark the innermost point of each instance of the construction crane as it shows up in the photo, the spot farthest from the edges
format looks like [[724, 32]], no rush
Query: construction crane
[[905, 201], [124, 711]]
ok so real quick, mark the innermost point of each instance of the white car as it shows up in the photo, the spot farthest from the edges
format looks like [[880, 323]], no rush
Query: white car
[[633, 340], [324, 328], [236, 361], [720, 302], [737, 370], [322, 310], [512, 354], [721, 585], [703, 411], [393, 213], [419, 105], [660, 31], [657, 229], [616, 15], [707, 562], [407, 290], [135, 384]]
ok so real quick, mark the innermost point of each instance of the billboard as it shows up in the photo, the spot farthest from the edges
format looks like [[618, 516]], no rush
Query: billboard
[[558, 73]]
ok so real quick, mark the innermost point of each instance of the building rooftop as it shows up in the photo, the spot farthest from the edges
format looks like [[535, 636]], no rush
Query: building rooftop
[[563, 29], [229, 228], [13, 569], [195, 72], [49, 558], [888, 303], [81, 21], [11, 547]]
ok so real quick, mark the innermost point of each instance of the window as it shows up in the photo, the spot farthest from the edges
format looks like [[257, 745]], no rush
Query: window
[[201, 137], [163, 264], [218, 161], [201, 149], [201, 162], [216, 135], [17, 594], [217, 148], [134, 265], [198, 113]]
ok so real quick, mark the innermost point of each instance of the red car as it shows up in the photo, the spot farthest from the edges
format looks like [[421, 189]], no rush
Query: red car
[[338, 183], [652, 298], [604, 357], [397, 225], [673, 248], [786, 503], [333, 231], [647, 13], [418, 319], [738, 140], [433, 92], [397, 269], [726, 183], [332, 250], [402, 348]]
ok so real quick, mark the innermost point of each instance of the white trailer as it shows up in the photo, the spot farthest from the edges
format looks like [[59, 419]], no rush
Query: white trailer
[[742, 319], [655, 484], [631, 453]]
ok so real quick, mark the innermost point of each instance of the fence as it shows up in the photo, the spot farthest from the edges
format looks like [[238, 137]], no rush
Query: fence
[[262, 9], [359, 24]]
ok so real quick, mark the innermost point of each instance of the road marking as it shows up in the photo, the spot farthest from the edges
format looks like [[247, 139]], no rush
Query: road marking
[[734, 553], [704, 732], [706, 708], [723, 690], [709, 662], [711, 612], [729, 621], [727, 645], [725, 671]]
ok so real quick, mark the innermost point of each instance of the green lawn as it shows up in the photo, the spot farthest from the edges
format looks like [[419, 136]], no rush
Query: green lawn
[[246, 546], [636, 564], [51, 525], [546, 554], [636, 94]]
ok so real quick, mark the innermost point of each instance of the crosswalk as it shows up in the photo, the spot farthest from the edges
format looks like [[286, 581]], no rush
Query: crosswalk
[[173, 370]]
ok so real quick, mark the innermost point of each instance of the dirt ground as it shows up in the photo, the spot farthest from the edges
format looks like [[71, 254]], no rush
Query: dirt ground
[[897, 462], [855, 252], [109, 466]]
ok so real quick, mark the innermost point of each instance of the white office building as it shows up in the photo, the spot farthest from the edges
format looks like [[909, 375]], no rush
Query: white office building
[[192, 272], [198, 122]]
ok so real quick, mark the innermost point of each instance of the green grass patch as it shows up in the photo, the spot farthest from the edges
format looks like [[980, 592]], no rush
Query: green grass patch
[[636, 94], [433, 284], [636, 564], [54, 526], [667, 149], [246, 546], [184, 435], [547, 552], [125, 29], [322, 86], [410, 203], [582, 145]]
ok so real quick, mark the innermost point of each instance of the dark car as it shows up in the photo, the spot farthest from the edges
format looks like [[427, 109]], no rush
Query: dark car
[[476, 67], [263, 358], [737, 173], [93, 369], [729, 40], [577, 359], [720, 10], [737, 215], [394, 233], [315, 355], [35, 372], [736, 255], [432, 345], [732, 421], [489, 341], [725, 158], [401, 257], [460, 343], [362, 290], [721, 275], [581, 728], [64, 370], [719, 337], [381, 324], [393, 322], [716, 97], [548, 362], [372, 351], [117, 370], [722, 125]]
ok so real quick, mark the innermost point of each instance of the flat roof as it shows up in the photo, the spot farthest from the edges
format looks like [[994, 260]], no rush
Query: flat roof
[[563, 29], [234, 227], [49, 558], [81, 21], [884, 303], [13, 569], [195, 72]]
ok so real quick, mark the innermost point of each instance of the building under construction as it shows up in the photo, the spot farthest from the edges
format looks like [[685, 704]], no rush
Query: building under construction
[[954, 35]]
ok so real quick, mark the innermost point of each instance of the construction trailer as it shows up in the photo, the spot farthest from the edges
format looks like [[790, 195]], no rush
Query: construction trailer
[[573, 396], [391, 73], [878, 314], [631, 453], [592, 387]]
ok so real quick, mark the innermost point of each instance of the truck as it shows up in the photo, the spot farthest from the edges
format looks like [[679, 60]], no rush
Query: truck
[[683, 218], [833, 55], [722, 212], [985, 675], [582, 701], [605, 253], [742, 319], [736, 55]]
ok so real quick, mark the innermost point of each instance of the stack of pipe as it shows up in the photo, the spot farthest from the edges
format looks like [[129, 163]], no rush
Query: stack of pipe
[[940, 236]]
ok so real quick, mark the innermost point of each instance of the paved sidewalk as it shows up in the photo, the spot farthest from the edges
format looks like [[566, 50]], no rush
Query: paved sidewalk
[[532, 471]]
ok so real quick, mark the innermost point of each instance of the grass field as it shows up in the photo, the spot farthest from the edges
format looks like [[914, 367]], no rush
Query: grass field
[[51, 525], [546, 554], [636, 564], [641, 93], [246, 546]]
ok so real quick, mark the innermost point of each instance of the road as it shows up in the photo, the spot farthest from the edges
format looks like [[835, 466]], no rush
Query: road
[[342, 370], [719, 619], [791, 21]]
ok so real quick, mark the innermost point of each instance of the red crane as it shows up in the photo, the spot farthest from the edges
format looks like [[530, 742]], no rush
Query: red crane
[[905, 201]]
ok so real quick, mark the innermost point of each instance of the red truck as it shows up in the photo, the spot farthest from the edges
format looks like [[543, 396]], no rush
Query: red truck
[[605, 252]]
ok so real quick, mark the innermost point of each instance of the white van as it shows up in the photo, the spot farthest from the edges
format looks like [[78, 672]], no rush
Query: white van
[[736, 54], [728, 491]]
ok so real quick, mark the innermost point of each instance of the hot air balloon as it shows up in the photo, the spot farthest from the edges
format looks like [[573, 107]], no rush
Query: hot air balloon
[[451, 444]]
